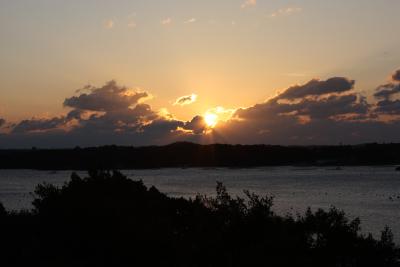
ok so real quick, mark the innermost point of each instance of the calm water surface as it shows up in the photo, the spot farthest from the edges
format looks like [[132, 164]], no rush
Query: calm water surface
[[371, 193]]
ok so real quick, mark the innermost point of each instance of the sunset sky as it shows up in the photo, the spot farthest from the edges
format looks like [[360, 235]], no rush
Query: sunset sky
[[159, 71]]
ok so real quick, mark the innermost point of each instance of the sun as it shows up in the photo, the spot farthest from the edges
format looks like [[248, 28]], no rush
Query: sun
[[211, 119]]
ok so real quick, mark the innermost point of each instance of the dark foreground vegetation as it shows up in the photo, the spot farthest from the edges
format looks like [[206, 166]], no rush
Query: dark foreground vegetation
[[194, 155], [109, 220]]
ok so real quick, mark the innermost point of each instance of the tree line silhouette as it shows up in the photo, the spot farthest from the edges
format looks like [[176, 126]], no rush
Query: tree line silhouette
[[107, 219], [194, 155]]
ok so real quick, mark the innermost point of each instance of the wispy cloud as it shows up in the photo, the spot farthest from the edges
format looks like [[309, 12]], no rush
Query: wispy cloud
[[109, 24], [132, 25], [186, 100], [285, 12], [192, 20], [166, 21], [249, 3]]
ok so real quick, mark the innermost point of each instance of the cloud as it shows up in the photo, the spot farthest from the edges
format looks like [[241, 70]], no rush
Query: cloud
[[388, 96], [249, 3], [317, 88], [396, 75], [110, 108], [197, 125], [189, 21], [2, 122], [312, 108], [391, 107], [109, 114], [186, 100], [286, 12], [107, 98], [387, 91], [75, 114], [332, 106], [166, 21], [108, 24], [38, 125], [317, 112]]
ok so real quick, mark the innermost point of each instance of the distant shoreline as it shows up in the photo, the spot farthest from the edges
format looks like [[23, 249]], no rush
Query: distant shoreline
[[190, 155], [327, 167]]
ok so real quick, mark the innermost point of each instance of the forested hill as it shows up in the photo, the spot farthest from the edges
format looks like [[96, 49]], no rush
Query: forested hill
[[185, 155]]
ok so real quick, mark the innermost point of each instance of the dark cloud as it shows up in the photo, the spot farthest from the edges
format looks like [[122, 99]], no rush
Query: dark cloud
[[332, 106], [197, 125], [2, 122], [320, 108], [38, 125], [396, 75], [327, 119], [318, 112], [387, 94], [117, 111], [391, 107], [386, 91], [128, 120], [111, 114], [75, 114], [186, 100], [161, 125], [162, 131], [107, 98], [317, 88]]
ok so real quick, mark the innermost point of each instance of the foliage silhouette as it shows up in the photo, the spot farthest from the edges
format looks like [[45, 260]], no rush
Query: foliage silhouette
[[186, 154], [107, 219]]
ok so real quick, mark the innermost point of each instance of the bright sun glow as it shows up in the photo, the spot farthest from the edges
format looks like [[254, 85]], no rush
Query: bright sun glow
[[211, 119]]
